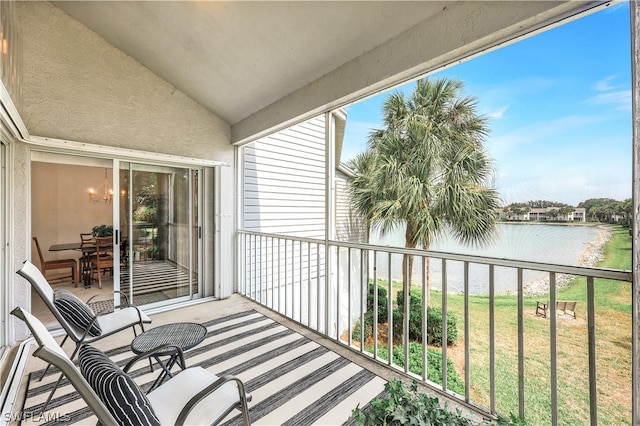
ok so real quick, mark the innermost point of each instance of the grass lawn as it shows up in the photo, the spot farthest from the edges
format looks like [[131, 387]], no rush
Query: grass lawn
[[613, 335]]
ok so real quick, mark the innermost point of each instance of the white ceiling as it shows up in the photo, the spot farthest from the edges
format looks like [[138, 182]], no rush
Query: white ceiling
[[243, 59]]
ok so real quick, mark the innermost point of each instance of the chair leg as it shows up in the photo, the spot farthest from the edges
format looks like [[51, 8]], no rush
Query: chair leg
[[44, 407], [44, 372], [49, 365]]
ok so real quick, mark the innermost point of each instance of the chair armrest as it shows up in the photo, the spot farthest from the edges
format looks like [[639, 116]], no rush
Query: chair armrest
[[182, 417], [126, 299], [152, 352], [126, 305]]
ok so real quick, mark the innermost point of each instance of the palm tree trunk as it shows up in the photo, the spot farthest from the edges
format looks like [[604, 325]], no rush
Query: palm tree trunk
[[426, 272], [407, 259]]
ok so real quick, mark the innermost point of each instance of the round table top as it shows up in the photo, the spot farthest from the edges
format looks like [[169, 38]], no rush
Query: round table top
[[186, 335]]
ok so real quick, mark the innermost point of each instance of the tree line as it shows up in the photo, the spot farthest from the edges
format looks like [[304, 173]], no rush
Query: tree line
[[597, 209]]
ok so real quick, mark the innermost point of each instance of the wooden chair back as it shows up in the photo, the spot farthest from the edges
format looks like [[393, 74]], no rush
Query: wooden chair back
[[49, 265], [103, 258], [86, 238]]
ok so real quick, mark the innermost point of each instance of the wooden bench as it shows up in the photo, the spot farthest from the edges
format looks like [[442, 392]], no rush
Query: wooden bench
[[564, 307]]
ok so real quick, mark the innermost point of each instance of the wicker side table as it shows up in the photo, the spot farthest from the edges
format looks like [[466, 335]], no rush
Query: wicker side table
[[185, 335]]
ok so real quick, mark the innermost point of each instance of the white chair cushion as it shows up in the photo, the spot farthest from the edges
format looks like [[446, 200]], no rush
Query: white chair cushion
[[119, 319], [169, 399]]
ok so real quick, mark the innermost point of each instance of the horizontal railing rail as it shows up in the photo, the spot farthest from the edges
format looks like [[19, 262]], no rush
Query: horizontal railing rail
[[333, 288]]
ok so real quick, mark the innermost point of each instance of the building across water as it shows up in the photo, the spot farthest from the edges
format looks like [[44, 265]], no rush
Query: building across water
[[543, 214]]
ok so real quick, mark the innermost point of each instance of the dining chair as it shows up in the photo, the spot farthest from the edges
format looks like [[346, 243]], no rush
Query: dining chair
[[49, 265], [103, 258], [194, 396], [86, 238]]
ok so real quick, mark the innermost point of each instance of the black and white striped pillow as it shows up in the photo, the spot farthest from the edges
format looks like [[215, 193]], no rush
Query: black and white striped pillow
[[119, 393], [75, 311]]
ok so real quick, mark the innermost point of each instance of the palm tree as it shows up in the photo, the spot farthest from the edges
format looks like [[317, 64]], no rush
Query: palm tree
[[427, 169]]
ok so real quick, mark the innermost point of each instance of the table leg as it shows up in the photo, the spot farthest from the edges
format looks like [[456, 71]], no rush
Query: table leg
[[86, 269], [166, 370]]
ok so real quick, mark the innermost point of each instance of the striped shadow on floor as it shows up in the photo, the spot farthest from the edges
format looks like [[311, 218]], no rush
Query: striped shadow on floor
[[292, 379]]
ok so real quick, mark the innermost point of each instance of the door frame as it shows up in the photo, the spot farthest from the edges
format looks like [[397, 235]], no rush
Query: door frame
[[209, 284]]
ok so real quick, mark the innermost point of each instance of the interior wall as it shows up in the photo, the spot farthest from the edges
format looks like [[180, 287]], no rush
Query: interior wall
[[60, 205]]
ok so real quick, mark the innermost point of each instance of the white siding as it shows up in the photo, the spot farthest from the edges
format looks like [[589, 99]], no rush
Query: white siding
[[284, 181], [348, 226]]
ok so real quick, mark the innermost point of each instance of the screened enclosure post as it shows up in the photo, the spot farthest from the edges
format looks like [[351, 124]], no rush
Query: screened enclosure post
[[634, 10]]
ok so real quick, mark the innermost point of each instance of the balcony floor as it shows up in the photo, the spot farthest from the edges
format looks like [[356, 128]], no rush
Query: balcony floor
[[294, 375]]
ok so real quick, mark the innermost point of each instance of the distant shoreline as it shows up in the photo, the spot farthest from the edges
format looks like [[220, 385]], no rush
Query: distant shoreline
[[537, 222], [591, 256]]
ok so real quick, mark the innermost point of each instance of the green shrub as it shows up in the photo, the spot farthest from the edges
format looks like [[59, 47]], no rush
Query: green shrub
[[434, 364], [368, 327], [383, 315], [434, 327], [383, 303], [434, 321], [404, 405], [512, 420]]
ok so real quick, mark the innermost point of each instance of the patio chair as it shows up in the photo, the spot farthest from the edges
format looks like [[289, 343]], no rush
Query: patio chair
[[103, 258], [77, 319], [49, 265], [193, 396]]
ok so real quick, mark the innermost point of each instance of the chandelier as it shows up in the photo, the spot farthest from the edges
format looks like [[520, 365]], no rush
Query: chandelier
[[103, 192]]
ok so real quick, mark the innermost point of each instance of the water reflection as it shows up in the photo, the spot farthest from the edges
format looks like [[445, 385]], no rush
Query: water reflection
[[556, 244]]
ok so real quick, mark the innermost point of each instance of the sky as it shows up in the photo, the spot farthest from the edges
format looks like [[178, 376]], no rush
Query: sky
[[559, 109]]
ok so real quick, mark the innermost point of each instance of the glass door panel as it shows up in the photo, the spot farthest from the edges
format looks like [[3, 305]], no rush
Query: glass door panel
[[157, 233]]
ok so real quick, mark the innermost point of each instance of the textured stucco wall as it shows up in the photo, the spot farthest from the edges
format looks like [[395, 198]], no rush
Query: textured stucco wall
[[78, 87], [20, 293]]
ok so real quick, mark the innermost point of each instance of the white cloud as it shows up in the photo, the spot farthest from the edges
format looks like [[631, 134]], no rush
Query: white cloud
[[604, 84], [609, 93], [499, 113], [621, 99]]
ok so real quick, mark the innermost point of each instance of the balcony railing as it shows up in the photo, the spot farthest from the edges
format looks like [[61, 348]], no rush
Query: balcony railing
[[505, 362]]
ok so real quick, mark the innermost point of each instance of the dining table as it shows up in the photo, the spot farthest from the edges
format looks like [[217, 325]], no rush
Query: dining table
[[87, 250]]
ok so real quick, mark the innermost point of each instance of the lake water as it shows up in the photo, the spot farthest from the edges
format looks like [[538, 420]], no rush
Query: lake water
[[555, 244]]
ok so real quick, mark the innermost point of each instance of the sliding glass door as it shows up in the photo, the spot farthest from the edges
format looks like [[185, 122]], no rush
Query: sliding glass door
[[160, 233]]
